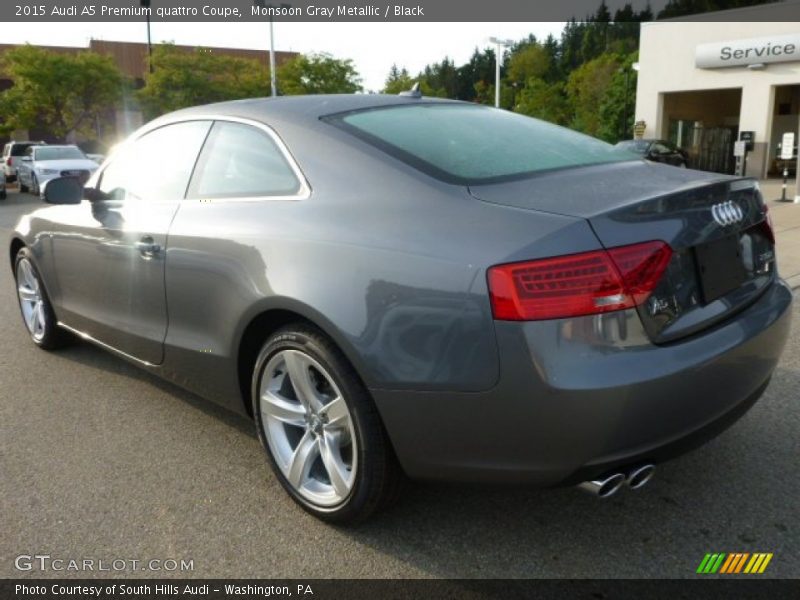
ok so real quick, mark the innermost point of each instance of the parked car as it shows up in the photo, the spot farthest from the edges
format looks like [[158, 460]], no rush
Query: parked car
[[399, 286], [2, 184], [13, 151], [657, 150], [43, 163]]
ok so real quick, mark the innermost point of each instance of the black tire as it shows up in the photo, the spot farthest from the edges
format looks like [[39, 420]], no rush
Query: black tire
[[34, 186], [22, 187], [53, 336], [378, 476], [3, 194]]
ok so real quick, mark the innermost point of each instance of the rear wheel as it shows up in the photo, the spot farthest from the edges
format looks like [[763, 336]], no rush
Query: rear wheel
[[320, 429], [37, 312]]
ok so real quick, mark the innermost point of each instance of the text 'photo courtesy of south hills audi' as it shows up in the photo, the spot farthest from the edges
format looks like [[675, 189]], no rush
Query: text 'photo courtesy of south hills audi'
[[397, 287]]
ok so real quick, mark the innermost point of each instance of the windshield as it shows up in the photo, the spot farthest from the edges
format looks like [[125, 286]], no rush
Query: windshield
[[56, 153], [470, 144]]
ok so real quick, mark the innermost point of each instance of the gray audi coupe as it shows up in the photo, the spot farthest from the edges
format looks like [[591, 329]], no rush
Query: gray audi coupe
[[396, 286]]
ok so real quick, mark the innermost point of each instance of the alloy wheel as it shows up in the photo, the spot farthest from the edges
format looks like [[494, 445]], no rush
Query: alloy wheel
[[30, 299], [308, 427]]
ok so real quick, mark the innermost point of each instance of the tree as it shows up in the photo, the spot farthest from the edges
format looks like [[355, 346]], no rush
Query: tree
[[617, 108], [182, 78], [529, 61], [61, 93], [477, 74], [398, 81], [440, 79], [544, 101], [318, 74], [586, 89]]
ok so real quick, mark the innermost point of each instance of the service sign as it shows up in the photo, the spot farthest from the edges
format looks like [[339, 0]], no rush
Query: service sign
[[752, 51], [787, 146]]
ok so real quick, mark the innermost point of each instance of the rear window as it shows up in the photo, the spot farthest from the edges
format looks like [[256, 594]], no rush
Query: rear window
[[19, 149], [471, 144]]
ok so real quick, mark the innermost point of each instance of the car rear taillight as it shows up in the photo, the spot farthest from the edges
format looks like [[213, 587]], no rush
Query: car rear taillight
[[8, 162], [578, 284]]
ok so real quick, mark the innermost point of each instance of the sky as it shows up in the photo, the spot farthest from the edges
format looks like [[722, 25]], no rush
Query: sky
[[373, 47]]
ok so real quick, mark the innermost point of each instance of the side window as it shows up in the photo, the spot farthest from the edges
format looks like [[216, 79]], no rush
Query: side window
[[242, 161], [155, 167]]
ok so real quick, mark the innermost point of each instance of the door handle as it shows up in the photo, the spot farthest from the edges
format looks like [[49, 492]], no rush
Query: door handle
[[147, 247]]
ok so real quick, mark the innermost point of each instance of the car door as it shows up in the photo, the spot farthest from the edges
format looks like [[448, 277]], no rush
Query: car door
[[24, 166], [109, 252]]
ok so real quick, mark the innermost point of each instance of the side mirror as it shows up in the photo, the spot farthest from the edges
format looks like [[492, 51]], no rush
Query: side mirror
[[26, 159], [64, 190]]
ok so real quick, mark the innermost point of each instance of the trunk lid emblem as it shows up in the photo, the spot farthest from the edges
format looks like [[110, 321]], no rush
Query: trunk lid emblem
[[727, 213]]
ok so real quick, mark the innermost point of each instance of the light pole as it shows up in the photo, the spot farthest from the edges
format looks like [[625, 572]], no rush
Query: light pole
[[500, 45], [146, 4], [272, 80]]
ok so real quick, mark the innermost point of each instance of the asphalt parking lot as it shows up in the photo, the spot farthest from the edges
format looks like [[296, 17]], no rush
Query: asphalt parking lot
[[99, 459]]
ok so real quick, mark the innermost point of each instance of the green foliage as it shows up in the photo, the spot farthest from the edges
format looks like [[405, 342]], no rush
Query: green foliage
[[440, 79], [475, 76], [182, 78], [543, 100], [678, 8], [318, 74], [529, 62], [586, 89], [59, 92], [617, 106], [398, 81]]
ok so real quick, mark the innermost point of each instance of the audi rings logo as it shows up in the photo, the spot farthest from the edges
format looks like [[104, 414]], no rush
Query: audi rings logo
[[727, 213]]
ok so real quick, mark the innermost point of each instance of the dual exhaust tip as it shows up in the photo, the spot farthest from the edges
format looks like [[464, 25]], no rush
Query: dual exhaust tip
[[610, 485]]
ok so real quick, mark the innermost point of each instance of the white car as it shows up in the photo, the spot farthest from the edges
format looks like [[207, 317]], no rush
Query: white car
[[43, 163], [13, 152]]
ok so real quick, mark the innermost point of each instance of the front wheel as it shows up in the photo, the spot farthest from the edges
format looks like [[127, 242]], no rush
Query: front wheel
[[37, 312], [34, 186], [320, 429]]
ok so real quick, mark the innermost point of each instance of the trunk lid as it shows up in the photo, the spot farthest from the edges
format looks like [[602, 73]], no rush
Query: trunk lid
[[723, 251]]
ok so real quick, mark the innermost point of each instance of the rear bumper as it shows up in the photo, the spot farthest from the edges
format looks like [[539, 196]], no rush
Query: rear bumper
[[578, 397]]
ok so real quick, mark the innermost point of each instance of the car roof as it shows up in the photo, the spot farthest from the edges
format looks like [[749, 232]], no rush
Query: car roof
[[298, 108], [61, 146]]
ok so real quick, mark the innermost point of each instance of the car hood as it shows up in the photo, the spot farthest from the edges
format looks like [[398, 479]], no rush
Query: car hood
[[67, 164]]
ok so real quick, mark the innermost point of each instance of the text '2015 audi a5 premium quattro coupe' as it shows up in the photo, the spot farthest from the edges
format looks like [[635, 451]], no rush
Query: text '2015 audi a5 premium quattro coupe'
[[398, 286]]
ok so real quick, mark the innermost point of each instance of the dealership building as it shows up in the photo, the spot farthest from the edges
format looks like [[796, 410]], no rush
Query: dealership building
[[705, 85]]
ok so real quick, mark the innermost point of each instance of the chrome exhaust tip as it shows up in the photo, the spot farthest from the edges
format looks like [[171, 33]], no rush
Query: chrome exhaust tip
[[603, 488], [639, 476]]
